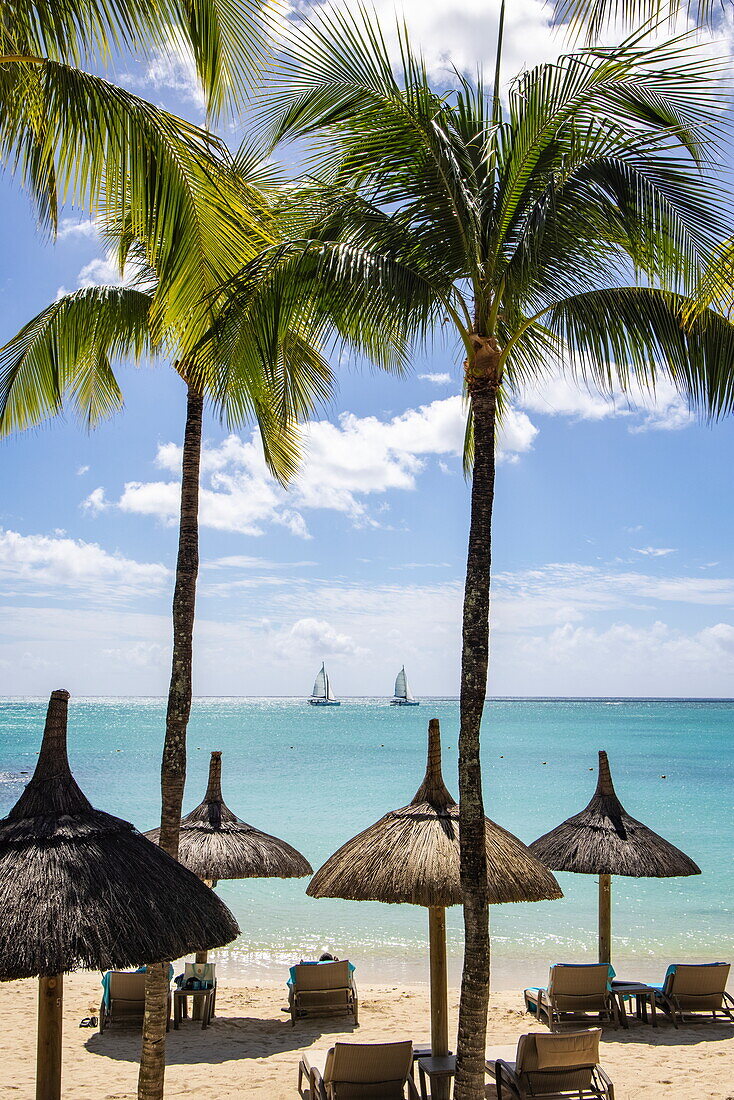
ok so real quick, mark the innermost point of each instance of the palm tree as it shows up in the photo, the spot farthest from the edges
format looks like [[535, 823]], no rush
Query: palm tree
[[565, 231], [268, 366]]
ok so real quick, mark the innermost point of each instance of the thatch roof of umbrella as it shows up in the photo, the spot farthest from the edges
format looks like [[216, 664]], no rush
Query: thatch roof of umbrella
[[412, 854], [604, 840], [215, 844], [81, 888]]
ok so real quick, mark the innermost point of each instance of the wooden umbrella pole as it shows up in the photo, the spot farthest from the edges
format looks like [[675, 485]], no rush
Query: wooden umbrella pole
[[605, 919], [48, 1056], [439, 983]]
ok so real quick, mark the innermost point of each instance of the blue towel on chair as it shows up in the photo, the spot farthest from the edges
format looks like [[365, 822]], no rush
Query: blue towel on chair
[[106, 982]]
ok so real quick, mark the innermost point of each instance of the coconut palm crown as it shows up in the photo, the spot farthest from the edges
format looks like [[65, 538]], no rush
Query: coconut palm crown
[[563, 230]]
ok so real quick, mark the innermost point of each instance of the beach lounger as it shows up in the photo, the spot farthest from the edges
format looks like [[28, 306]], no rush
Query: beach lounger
[[123, 1001], [552, 1066], [574, 990], [690, 988], [358, 1071], [324, 990]]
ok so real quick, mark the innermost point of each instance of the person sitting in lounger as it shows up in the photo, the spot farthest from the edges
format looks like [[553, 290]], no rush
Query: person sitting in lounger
[[324, 957], [321, 987]]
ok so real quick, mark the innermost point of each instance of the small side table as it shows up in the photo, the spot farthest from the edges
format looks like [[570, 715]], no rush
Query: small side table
[[644, 996], [180, 1005], [435, 1069]]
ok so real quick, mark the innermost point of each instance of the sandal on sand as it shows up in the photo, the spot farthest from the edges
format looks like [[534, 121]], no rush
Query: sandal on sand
[[89, 1021]]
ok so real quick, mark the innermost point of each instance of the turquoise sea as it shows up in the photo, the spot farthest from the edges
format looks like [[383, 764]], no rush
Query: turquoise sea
[[318, 776]]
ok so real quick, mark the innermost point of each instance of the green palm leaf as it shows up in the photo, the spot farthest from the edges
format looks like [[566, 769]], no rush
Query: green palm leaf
[[225, 38], [65, 356], [620, 334]]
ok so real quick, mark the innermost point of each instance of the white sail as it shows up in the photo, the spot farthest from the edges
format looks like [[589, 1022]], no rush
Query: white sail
[[319, 687], [328, 693], [401, 685], [322, 695], [402, 688]]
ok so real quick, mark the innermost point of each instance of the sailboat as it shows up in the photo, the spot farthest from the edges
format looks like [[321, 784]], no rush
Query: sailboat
[[322, 696], [403, 696]]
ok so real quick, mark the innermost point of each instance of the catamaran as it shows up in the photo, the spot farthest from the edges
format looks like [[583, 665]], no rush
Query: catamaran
[[403, 696], [321, 696]]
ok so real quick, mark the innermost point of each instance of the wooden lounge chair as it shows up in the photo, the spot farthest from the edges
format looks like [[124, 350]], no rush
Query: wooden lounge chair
[[552, 1066], [125, 1003], [324, 989], [692, 988], [358, 1071], [573, 992]]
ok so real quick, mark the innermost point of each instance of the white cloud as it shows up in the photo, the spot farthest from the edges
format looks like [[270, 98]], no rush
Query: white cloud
[[556, 395], [170, 69], [655, 660], [436, 379], [141, 655], [464, 34], [552, 635], [243, 561], [86, 229], [102, 272], [345, 464], [516, 435], [82, 470], [40, 561], [313, 639], [96, 502], [422, 565], [654, 551], [571, 588]]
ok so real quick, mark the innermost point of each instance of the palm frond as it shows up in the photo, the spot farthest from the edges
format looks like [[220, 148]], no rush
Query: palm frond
[[73, 135], [620, 334], [590, 17], [226, 39], [64, 356]]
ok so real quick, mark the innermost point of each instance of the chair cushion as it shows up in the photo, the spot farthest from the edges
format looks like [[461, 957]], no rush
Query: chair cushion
[[555, 1051], [370, 1063]]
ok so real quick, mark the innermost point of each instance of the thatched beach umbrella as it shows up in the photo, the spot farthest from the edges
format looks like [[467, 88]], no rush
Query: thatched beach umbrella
[[80, 888], [604, 840], [412, 855], [215, 844]]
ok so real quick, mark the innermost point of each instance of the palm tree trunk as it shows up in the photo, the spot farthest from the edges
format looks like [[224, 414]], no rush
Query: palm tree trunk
[[153, 1053], [483, 376], [173, 769]]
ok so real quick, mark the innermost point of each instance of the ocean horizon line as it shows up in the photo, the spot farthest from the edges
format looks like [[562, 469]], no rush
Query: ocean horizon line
[[423, 698]]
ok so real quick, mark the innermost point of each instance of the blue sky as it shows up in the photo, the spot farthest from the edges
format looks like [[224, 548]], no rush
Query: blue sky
[[614, 571]]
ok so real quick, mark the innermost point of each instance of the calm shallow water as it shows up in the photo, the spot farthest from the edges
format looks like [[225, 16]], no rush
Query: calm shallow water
[[318, 776]]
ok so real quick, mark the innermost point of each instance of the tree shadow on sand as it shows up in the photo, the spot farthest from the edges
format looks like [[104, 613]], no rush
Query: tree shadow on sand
[[228, 1038]]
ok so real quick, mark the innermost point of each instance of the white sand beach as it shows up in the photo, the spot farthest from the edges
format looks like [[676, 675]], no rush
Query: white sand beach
[[252, 1050]]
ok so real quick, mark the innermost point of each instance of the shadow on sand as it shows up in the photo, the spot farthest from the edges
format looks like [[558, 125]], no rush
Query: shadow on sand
[[227, 1038]]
